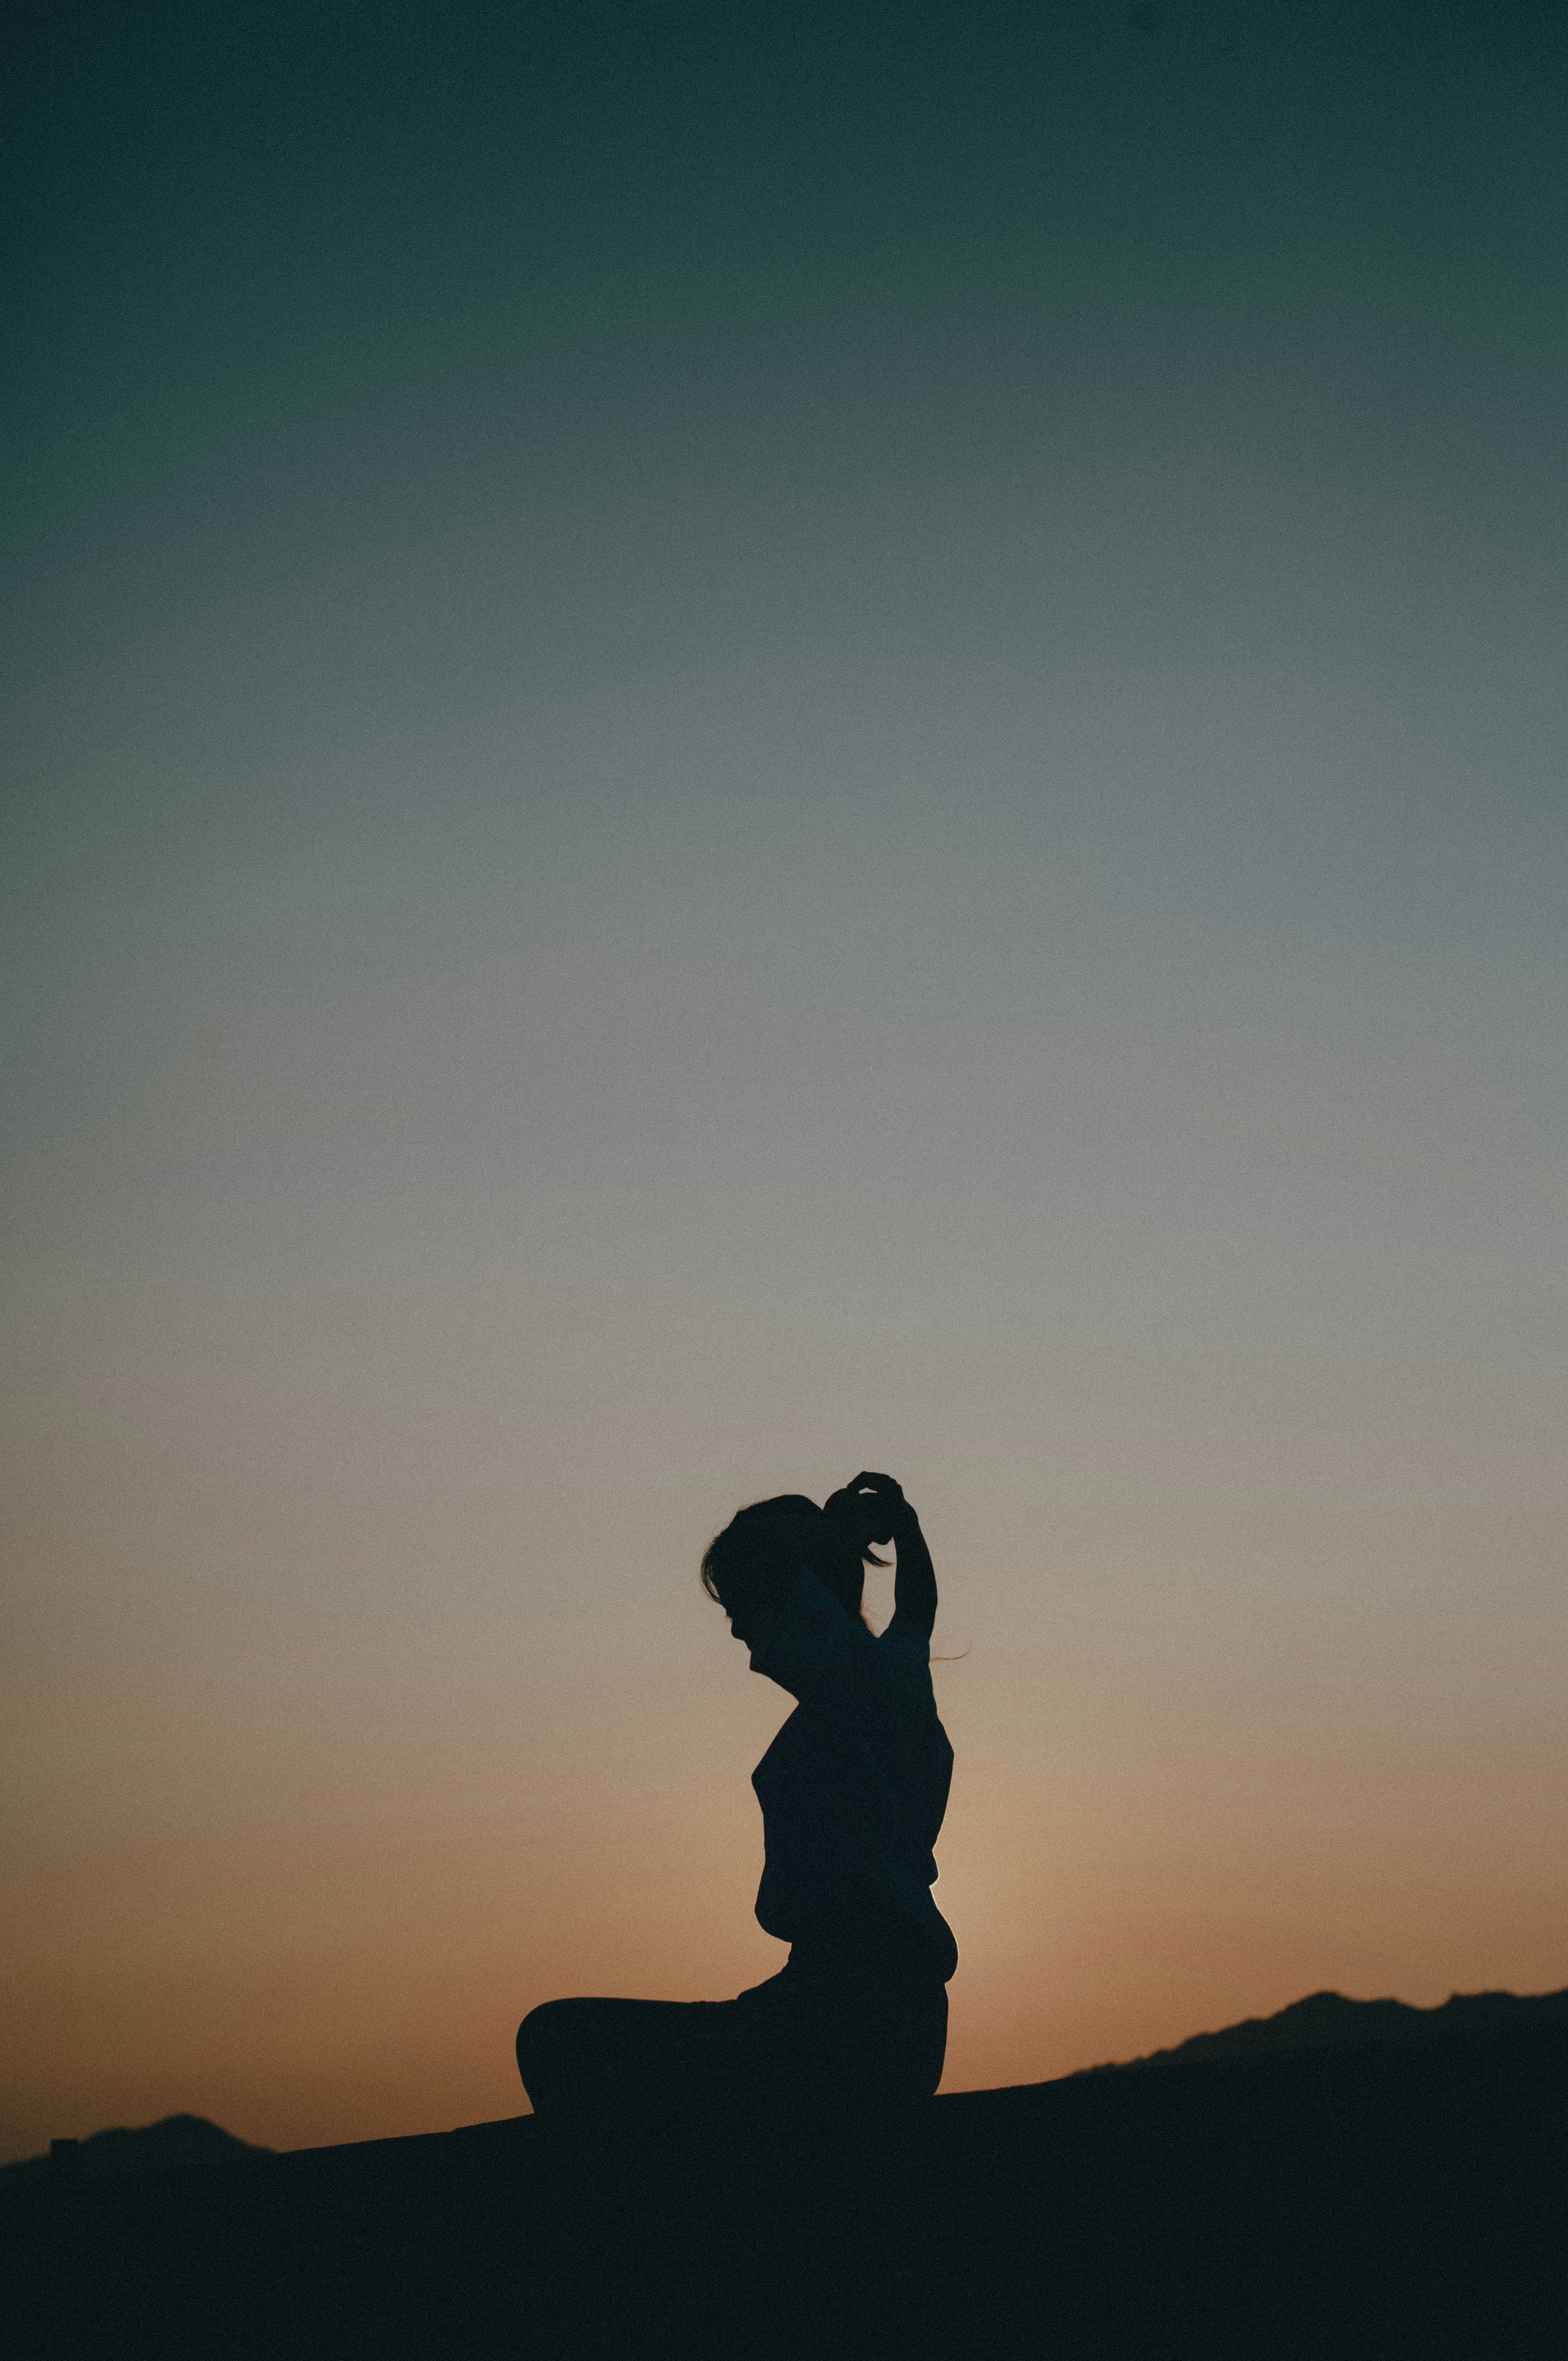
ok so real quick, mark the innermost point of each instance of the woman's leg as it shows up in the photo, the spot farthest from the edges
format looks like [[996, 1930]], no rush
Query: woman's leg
[[804, 2038], [859, 2030], [598, 2057]]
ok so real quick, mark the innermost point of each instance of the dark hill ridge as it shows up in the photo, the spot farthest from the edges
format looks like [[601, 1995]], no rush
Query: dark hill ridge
[[175, 2143], [1288, 2199], [1327, 2020]]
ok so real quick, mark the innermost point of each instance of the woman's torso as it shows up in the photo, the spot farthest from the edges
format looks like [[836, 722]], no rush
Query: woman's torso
[[853, 1788]]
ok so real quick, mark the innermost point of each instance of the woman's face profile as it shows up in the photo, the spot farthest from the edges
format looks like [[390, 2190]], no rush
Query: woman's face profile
[[749, 1614], [746, 1624]]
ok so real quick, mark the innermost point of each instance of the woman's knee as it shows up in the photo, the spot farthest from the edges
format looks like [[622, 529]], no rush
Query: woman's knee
[[542, 2038]]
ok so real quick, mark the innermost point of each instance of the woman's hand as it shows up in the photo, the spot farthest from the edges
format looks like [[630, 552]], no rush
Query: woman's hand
[[870, 1508]]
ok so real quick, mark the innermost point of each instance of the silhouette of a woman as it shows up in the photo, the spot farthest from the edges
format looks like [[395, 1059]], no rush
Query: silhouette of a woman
[[852, 1790]]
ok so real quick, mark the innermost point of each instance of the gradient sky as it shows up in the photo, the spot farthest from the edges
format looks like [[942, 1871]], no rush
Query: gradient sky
[[739, 744]]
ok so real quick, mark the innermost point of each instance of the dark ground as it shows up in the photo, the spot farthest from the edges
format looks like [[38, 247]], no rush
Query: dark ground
[[1371, 2195]]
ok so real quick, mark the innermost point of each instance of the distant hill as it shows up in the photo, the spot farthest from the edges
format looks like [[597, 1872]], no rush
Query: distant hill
[[1326, 2020], [173, 2145]]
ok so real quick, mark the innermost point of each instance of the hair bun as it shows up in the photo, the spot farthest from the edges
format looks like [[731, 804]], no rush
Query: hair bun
[[854, 1521]]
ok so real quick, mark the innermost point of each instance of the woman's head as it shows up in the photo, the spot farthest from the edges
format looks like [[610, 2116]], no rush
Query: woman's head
[[753, 1565]]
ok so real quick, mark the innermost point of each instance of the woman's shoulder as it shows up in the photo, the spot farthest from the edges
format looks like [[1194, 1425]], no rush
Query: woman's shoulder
[[815, 1635]]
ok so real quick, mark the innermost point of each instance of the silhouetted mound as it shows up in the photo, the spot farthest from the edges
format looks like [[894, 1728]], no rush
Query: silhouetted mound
[[1326, 2020], [176, 2144], [1271, 2193]]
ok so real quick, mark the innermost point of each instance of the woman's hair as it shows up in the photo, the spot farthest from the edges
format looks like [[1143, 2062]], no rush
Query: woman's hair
[[755, 1562]]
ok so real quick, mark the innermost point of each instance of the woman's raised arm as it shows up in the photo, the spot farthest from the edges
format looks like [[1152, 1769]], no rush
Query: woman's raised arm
[[914, 1581], [872, 1509]]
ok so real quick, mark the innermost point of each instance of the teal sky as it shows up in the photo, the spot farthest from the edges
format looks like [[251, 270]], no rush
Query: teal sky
[[734, 751], [196, 192]]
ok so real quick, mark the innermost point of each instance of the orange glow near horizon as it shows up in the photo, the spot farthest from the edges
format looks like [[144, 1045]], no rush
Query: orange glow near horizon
[[1120, 1875]]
